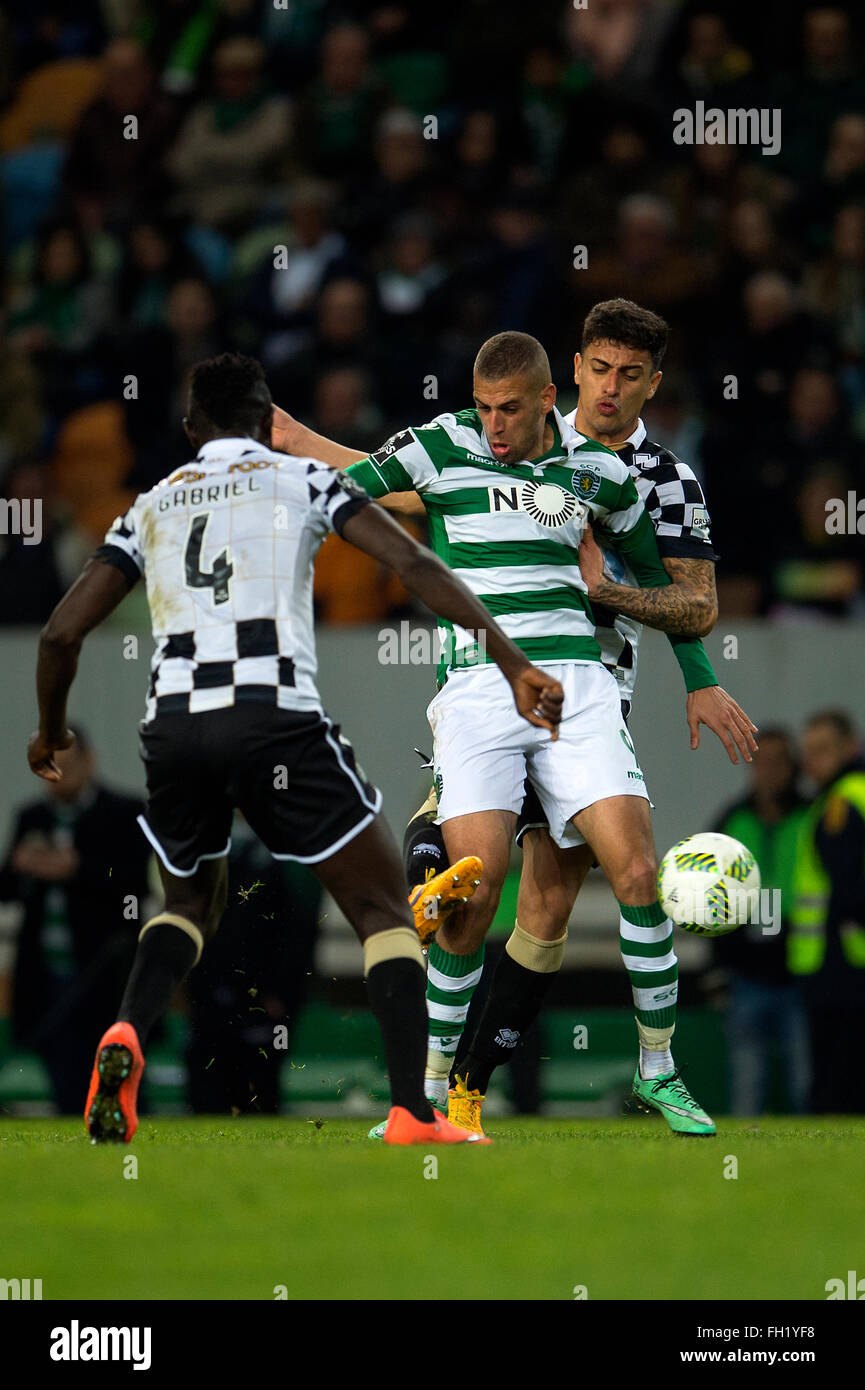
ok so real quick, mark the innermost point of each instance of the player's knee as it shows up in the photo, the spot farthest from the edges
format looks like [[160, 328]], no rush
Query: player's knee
[[637, 881], [199, 909], [544, 914], [481, 908], [371, 912]]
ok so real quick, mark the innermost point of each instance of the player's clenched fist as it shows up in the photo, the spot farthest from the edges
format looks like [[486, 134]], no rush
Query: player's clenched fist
[[539, 698]]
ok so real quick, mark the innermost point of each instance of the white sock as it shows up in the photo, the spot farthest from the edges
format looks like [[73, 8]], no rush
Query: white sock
[[436, 1091], [654, 1064]]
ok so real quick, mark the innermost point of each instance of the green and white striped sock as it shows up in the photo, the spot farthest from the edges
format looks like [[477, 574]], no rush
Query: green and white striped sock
[[451, 982], [646, 942]]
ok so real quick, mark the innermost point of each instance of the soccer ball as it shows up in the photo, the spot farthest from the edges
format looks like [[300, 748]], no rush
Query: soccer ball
[[709, 884]]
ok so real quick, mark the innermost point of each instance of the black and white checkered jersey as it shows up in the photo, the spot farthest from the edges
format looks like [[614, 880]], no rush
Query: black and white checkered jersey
[[673, 496], [226, 545]]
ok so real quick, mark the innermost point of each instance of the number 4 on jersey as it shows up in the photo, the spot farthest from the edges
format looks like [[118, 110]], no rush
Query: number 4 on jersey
[[196, 578]]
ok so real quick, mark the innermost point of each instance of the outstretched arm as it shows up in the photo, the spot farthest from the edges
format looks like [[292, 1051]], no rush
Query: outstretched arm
[[537, 696], [291, 437], [96, 593]]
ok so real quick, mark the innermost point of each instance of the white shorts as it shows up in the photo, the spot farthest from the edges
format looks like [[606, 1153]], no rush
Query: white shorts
[[483, 748]]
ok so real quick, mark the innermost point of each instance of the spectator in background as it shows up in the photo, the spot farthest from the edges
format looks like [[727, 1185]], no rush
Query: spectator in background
[[649, 263], [842, 181], [817, 572], [479, 162], [61, 318], [22, 419], [399, 183], [77, 863], [112, 169], [338, 112], [829, 83], [545, 100], [410, 276], [592, 195], [816, 428], [344, 334], [519, 273], [232, 145], [712, 62], [159, 357], [835, 285], [716, 179], [155, 259], [826, 946], [620, 39], [251, 981], [674, 416], [345, 409], [283, 266], [766, 1019], [752, 245]]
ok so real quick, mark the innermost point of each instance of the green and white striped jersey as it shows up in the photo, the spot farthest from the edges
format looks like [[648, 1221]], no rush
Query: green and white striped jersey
[[512, 532]]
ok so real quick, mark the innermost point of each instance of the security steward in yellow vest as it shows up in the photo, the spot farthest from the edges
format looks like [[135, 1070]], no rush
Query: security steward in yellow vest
[[826, 945]]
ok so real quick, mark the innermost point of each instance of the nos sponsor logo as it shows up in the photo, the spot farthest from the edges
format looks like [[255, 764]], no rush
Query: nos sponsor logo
[[546, 503]]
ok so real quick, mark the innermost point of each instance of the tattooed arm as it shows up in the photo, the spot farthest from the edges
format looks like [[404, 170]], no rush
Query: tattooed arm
[[687, 606]]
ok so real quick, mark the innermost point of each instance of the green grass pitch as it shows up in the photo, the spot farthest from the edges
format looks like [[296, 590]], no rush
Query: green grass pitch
[[225, 1209]]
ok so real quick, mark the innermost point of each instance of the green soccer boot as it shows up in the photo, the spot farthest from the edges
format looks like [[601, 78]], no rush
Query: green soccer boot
[[670, 1095]]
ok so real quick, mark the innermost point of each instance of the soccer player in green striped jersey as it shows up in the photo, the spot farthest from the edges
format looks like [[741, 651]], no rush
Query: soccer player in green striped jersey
[[510, 488]]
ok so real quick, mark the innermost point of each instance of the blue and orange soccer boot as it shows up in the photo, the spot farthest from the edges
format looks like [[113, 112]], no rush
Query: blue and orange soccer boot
[[110, 1114], [433, 902], [403, 1128]]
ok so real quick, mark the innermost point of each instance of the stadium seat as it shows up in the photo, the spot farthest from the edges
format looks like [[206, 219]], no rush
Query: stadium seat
[[92, 457], [30, 179], [49, 102]]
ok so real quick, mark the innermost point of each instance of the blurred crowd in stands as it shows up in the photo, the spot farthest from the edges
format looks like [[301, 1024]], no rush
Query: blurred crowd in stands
[[359, 194]]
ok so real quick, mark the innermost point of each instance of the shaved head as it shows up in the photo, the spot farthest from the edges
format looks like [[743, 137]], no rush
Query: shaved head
[[513, 355]]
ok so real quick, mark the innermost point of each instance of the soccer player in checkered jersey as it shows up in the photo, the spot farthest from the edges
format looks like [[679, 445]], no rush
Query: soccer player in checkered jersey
[[233, 719], [448, 462]]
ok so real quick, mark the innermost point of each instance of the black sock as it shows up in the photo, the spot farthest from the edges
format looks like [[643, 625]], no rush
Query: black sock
[[423, 850], [397, 996], [164, 957], [514, 1002]]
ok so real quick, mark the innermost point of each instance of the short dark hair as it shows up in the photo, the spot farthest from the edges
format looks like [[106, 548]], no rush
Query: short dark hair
[[838, 719], [512, 354], [229, 392], [622, 321]]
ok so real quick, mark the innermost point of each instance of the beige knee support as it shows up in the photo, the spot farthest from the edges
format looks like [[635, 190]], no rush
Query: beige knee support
[[431, 804], [171, 919], [544, 957], [654, 1039], [390, 945]]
